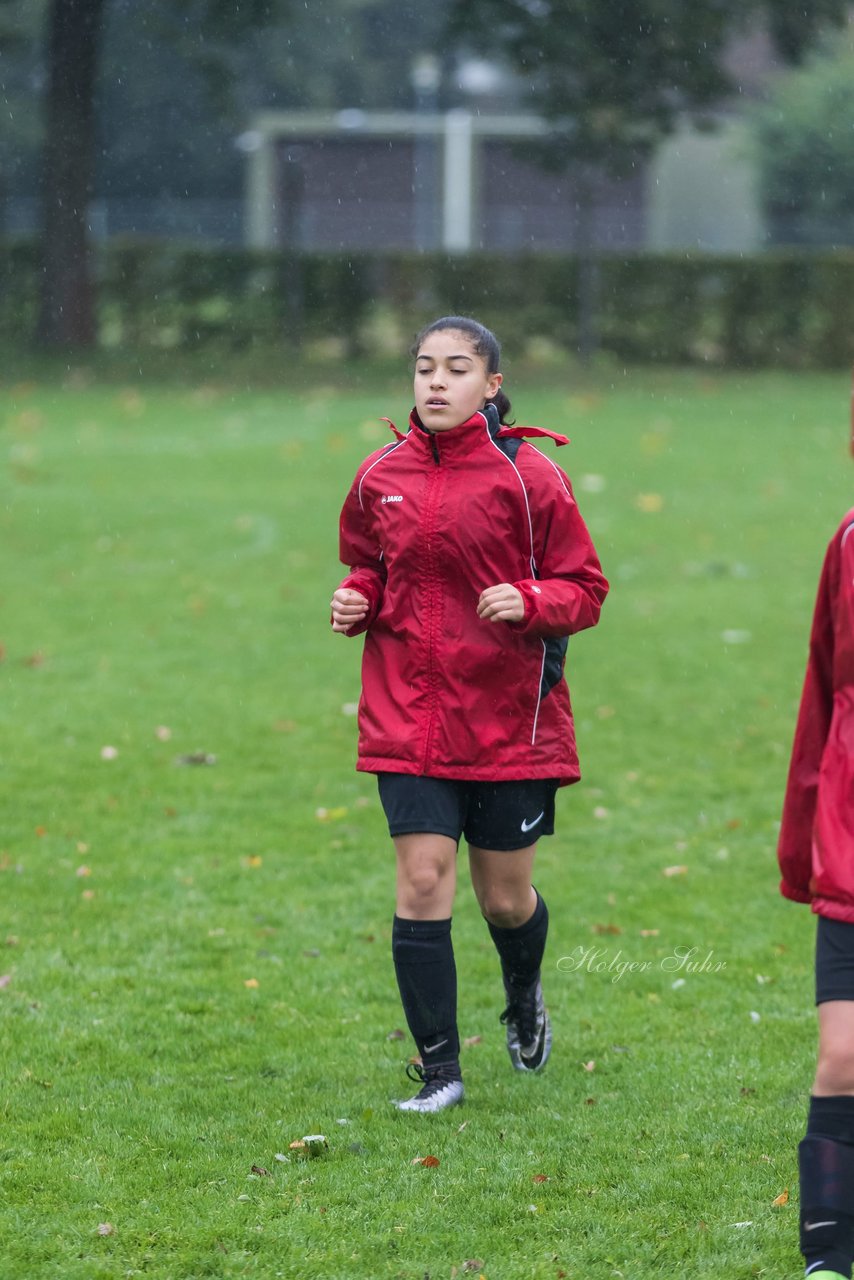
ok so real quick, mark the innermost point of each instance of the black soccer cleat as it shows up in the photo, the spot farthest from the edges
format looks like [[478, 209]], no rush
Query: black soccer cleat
[[529, 1031]]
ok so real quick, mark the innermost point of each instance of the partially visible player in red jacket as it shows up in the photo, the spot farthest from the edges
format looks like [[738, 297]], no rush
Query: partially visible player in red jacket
[[816, 854], [470, 567]]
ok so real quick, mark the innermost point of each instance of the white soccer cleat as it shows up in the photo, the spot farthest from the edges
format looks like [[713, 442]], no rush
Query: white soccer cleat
[[441, 1087]]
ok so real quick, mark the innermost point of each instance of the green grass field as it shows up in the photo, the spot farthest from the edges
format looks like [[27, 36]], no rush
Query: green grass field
[[194, 957]]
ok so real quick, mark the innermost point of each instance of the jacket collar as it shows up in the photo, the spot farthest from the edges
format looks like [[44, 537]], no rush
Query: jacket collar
[[458, 441], [481, 428]]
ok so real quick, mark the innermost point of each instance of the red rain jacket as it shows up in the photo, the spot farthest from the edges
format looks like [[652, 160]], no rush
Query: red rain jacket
[[430, 522], [816, 847]]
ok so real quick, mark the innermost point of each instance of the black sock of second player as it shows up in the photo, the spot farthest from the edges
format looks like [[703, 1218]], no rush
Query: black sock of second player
[[521, 950]]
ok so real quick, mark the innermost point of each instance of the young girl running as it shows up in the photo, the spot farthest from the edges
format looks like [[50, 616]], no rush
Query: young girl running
[[816, 853], [470, 567]]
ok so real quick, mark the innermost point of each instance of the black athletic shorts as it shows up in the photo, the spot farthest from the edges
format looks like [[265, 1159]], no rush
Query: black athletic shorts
[[834, 960], [491, 815]]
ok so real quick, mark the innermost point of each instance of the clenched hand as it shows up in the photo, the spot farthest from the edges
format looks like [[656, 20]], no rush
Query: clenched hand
[[502, 603], [348, 608]]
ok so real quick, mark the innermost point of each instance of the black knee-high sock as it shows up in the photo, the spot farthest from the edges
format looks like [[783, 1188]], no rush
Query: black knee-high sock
[[826, 1159], [521, 950], [427, 979]]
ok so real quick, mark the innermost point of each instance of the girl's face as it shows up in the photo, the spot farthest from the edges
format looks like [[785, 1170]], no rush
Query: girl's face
[[451, 381]]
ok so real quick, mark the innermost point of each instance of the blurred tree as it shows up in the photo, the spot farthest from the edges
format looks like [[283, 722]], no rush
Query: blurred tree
[[147, 98], [74, 36], [801, 142], [615, 78], [197, 90], [612, 76], [795, 25], [21, 80], [73, 40]]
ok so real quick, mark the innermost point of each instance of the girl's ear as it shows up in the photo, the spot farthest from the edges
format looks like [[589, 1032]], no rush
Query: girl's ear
[[493, 382]]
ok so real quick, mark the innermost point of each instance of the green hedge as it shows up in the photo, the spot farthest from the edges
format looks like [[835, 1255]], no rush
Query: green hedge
[[792, 308]]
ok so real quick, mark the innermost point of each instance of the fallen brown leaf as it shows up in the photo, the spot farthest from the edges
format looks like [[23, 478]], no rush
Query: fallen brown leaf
[[782, 1198]]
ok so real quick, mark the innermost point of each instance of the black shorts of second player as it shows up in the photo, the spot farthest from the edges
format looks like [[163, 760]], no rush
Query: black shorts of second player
[[834, 960], [491, 815]]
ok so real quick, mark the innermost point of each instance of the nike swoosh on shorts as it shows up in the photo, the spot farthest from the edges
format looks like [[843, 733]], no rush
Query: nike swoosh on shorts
[[527, 826]]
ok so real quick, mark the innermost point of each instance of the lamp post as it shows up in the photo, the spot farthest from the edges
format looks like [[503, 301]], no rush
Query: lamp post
[[426, 76]]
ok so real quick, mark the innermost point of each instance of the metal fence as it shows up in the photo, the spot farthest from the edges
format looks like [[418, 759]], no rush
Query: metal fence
[[214, 222]]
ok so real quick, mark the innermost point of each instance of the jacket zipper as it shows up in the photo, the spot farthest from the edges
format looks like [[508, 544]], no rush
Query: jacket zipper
[[430, 508]]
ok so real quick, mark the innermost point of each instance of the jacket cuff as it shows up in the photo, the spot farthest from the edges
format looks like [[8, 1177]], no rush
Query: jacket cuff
[[373, 593], [793, 894], [529, 591]]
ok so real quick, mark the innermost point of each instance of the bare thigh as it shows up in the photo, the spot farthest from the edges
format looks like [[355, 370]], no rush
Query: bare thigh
[[501, 880]]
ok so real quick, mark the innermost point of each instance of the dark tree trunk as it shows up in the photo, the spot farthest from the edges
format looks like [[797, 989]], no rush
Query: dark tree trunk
[[68, 303]]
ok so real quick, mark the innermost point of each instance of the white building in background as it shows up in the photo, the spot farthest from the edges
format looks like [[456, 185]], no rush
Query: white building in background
[[456, 181], [461, 181]]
